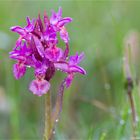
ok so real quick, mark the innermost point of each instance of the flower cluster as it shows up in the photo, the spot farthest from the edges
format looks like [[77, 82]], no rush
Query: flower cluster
[[37, 47]]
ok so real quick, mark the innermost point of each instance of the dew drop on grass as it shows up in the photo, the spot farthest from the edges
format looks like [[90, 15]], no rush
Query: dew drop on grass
[[124, 58], [107, 86], [53, 132], [122, 122], [137, 119], [56, 120], [129, 111]]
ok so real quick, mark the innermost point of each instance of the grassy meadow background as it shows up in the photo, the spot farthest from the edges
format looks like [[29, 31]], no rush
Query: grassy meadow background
[[96, 106]]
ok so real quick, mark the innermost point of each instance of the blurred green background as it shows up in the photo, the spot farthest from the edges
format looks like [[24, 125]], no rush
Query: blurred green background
[[96, 106]]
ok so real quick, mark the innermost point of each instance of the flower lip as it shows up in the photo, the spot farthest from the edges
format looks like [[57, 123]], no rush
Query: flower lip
[[39, 87]]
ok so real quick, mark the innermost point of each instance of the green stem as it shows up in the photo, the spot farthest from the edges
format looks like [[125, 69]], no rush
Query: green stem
[[133, 114], [131, 100], [51, 118], [48, 123]]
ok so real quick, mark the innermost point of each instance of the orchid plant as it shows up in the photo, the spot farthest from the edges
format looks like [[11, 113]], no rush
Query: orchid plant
[[37, 47]]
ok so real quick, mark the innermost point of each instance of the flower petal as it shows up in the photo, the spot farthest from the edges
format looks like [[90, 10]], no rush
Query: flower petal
[[63, 66], [46, 18], [56, 16], [30, 25], [38, 46], [76, 59], [64, 21], [50, 36], [39, 87], [19, 70], [18, 29], [53, 54], [18, 42], [77, 69], [64, 35], [80, 57], [68, 80]]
